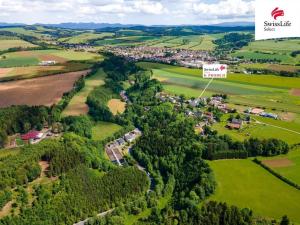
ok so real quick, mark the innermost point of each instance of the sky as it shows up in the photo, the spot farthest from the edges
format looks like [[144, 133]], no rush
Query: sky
[[147, 12]]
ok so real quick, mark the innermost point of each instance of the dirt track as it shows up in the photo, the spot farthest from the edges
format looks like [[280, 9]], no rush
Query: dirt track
[[38, 91]]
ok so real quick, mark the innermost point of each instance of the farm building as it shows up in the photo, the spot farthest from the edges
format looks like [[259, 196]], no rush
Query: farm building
[[269, 115], [255, 111], [32, 135], [47, 63], [235, 124]]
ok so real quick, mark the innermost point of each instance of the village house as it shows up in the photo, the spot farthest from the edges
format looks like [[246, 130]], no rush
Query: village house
[[235, 124], [32, 136]]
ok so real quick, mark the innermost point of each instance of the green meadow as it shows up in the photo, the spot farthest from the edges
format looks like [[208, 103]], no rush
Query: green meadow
[[246, 184], [289, 171], [104, 130], [77, 105], [32, 58], [14, 43], [271, 49]]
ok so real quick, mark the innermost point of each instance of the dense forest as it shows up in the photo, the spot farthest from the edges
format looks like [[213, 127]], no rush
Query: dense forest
[[83, 182]]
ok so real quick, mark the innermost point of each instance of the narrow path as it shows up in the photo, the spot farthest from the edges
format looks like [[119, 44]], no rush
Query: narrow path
[[98, 215], [282, 128]]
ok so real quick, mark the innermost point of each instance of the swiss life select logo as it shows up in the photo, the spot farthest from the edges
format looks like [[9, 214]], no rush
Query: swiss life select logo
[[277, 19], [214, 71], [277, 12]]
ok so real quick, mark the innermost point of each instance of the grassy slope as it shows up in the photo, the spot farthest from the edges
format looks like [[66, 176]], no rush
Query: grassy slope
[[271, 49], [104, 130], [77, 105], [245, 184], [32, 58], [6, 44]]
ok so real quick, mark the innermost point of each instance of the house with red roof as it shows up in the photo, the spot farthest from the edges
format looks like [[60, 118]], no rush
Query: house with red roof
[[31, 135]]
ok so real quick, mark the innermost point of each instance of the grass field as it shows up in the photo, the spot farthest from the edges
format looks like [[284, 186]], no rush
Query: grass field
[[193, 42], [271, 49], [104, 130], [6, 44], [290, 170], [85, 37], [77, 105], [245, 184], [32, 58]]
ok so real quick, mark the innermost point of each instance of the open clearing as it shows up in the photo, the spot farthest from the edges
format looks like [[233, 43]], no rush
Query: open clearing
[[77, 105], [85, 37], [116, 106], [104, 130], [290, 170], [38, 91], [246, 184]]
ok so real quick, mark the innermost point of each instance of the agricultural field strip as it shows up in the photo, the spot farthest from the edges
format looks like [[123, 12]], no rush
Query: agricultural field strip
[[257, 80], [198, 81]]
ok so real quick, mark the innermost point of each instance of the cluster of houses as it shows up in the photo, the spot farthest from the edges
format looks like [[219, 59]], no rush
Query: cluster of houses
[[183, 57], [261, 112], [114, 149]]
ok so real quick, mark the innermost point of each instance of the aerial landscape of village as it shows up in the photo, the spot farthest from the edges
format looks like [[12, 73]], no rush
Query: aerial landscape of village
[[121, 122]]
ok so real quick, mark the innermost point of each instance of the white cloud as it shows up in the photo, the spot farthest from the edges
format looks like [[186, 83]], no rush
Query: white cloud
[[225, 8], [126, 11]]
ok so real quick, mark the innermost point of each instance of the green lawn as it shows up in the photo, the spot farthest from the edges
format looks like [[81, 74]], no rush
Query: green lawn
[[245, 184], [271, 49], [104, 130], [77, 105], [85, 37]]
